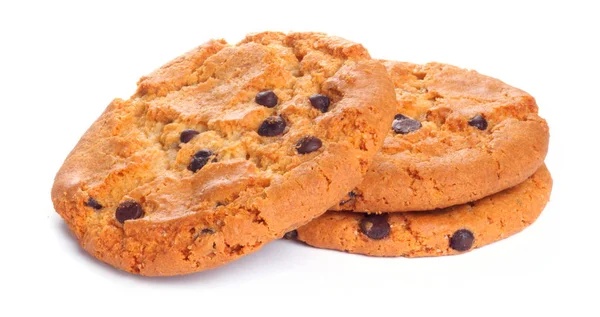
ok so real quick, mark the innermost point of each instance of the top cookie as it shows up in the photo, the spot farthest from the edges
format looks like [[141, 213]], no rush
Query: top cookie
[[224, 149], [457, 136]]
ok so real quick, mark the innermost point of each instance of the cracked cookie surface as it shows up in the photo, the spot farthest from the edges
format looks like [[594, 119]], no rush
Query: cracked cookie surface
[[447, 231], [223, 150], [457, 136]]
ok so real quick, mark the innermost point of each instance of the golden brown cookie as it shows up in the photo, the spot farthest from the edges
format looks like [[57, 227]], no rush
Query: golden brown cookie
[[458, 136], [432, 233], [223, 150]]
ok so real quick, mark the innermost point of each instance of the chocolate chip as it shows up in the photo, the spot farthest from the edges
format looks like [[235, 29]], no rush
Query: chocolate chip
[[348, 198], [128, 210], [208, 231], [375, 227], [320, 102], [308, 144], [404, 125], [91, 202], [272, 126], [266, 98], [204, 153], [200, 159], [479, 122], [187, 135], [462, 240], [292, 235]]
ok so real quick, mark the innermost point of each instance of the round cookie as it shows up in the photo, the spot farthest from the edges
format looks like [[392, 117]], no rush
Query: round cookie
[[457, 136], [223, 150], [432, 233]]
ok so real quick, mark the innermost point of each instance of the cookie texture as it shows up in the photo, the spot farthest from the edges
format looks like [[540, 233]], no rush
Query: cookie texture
[[457, 136], [221, 151], [447, 231]]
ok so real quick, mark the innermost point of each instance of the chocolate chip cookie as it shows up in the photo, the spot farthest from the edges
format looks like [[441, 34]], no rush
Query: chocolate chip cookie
[[223, 150], [457, 136], [432, 233]]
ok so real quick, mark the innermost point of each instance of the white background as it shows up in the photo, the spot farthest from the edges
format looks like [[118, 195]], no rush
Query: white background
[[62, 63]]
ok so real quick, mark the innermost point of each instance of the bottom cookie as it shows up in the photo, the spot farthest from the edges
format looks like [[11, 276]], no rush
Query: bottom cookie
[[447, 231]]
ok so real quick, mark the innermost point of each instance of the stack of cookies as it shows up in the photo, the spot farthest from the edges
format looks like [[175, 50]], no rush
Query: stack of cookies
[[302, 135]]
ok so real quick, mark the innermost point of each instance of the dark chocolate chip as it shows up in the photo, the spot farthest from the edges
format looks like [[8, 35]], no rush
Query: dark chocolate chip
[[348, 198], [197, 163], [200, 159], [292, 235], [188, 135], [479, 122], [375, 227], [404, 125], [128, 210], [308, 144], [320, 102], [462, 240], [93, 203], [272, 126], [266, 98], [204, 153], [208, 231]]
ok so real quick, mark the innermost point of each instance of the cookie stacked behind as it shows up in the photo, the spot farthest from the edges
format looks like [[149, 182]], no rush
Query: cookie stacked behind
[[458, 137], [446, 231], [223, 150]]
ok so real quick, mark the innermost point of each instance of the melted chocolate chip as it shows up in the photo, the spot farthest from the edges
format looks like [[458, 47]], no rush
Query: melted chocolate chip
[[404, 125], [308, 144], [320, 102], [375, 227], [479, 122], [292, 235], [128, 210], [462, 240], [187, 135], [93, 203], [272, 126], [200, 159], [266, 98]]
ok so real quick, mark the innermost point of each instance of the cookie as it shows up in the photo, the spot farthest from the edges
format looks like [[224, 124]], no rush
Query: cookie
[[223, 150], [457, 136], [447, 231]]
